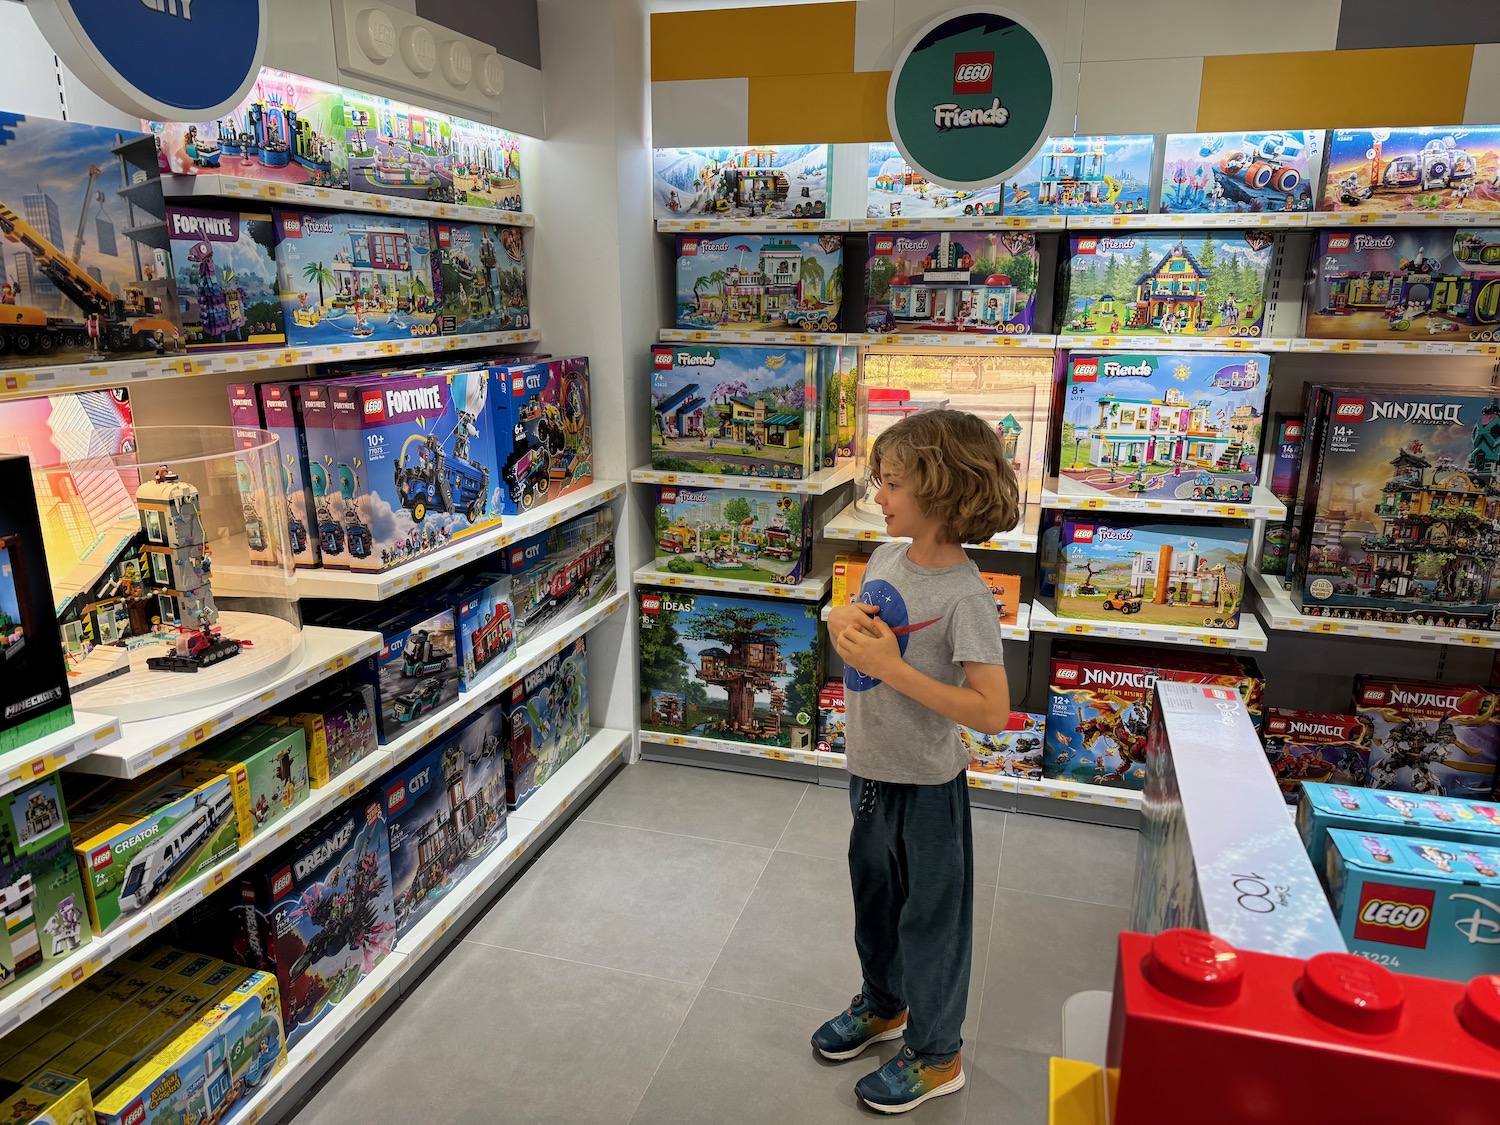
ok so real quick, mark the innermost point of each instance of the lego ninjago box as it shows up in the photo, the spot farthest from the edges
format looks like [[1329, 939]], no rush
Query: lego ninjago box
[[1304, 746], [1430, 737]]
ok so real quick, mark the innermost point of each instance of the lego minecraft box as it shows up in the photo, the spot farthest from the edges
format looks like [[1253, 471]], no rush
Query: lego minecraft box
[[479, 277], [42, 892], [730, 533], [546, 720], [1240, 172], [1430, 737], [1431, 168], [951, 281], [225, 265], [1312, 746], [760, 282], [1085, 176], [762, 181], [559, 573]]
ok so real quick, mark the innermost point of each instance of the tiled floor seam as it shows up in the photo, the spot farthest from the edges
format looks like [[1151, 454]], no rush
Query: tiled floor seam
[[1126, 906], [681, 835], [573, 961]]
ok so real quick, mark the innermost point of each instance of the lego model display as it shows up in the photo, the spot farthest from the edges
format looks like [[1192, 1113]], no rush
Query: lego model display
[[1404, 284], [42, 894], [372, 275], [1209, 284], [546, 720], [266, 765], [486, 166], [1182, 426], [760, 282], [415, 672], [225, 264], [736, 411], [397, 149], [1236, 173], [73, 287], [1431, 168], [1275, 549], [1159, 573], [544, 407], [1430, 737], [479, 278], [1085, 176], [893, 189], [951, 281], [1014, 752], [741, 669], [559, 573], [764, 181], [1378, 810], [729, 533], [1312, 746]]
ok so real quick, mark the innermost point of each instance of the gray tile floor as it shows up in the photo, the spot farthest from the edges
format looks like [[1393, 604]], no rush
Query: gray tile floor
[[666, 958]]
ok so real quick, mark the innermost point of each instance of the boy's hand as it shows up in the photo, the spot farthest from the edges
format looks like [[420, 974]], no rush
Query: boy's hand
[[871, 649], [856, 616]]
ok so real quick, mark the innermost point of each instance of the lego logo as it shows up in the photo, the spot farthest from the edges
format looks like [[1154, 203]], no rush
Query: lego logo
[[1083, 535], [247, 893], [444, 235], [281, 882], [661, 360], [374, 405], [1397, 914], [518, 557], [395, 798], [1066, 675], [1088, 245], [101, 858], [1349, 410], [1219, 693], [1085, 370], [650, 603], [1339, 243], [669, 496], [135, 1114], [689, 247], [1394, 915], [1275, 725], [1293, 431], [1375, 695], [884, 245], [291, 228], [974, 72]]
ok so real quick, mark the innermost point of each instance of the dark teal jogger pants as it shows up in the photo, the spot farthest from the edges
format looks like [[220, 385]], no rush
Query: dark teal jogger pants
[[911, 863]]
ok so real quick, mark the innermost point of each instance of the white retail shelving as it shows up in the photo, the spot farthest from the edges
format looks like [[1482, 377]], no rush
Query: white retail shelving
[[730, 336], [1173, 343], [1280, 613], [377, 587], [1046, 788], [221, 185], [1019, 630], [848, 526], [1069, 495], [963, 222], [808, 590], [1401, 218], [806, 757], [710, 224], [86, 734], [1260, 220], [1248, 637], [824, 480], [1433, 345], [989, 340]]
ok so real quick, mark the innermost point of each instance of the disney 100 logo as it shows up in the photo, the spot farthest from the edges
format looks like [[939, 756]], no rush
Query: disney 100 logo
[[1480, 928]]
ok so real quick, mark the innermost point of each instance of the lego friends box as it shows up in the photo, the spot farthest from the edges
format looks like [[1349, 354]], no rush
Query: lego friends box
[[1085, 176], [479, 275], [729, 533], [1432, 168], [951, 281], [760, 282], [776, 181], [894, 190], [1237, 173]]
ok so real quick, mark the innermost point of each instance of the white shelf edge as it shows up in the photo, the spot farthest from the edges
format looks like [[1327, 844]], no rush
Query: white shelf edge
[[809, 589], [220, 185], [1249, 637], [1403, 218], [1422, 347], [821, 481], [86, 734], [1247, 220], [1070, 342], [1262, 505], [963, 222], [710, 225], [848, 527], [1280, 614], [807, 757], [729, 336], [1033, 341]]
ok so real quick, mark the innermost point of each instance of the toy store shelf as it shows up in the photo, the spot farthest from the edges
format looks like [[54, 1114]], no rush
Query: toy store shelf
[[1056, 790], [1401, 218], [807, 757], [146, 743], [1174, 343], [378, 587], [769, 226], [80, 738], [965, 222], [232, 187], [809, 590], [952, 340], [848, 525], [728, 336], [1396, 347], [1062, 493], [824, 480], [1249, 636], [1281, 613], [24, 382], [1020, 630], [1265, 220]]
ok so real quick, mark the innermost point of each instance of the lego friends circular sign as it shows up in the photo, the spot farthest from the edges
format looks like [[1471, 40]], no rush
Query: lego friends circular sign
[[163, 60], [970, 97]]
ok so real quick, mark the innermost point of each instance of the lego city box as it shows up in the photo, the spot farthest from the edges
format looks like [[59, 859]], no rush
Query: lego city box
[[225, 270], [479, 277], [561, 572], [397, 149], [733, 533], [1138, 283], [951, 281], [543, 418], [1014, 752], [1241, 172], [1184, 426], [760, 282], [1428, 168], [267, 770], [735, 411], [757, 181], [416, 670], [1454, 819], [41, 889], [1314, 746], [485, 626], [49, 1097], [730, 667], [1085, 176], [1430, 737], [896, 190], [544, 720]]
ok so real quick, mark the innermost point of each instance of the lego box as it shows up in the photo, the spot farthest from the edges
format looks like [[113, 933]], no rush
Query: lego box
[[831, 718], [1458, 821], [1431, 168], [730, 533], [559, 573], [951, 281], [764, 181], [42, 894], [485, 625], [479, 275], [894, 189], [546, 720], [1239, 173], [267, 770], [226, 278], [486, 165], [49, 1097], [1287, 431], [1430, 737], [397, 149], [1311, 746], [1014, 752], [280, 415], [542, 416], [416, 671], [760, 282], [1085, 176], [340, 729]]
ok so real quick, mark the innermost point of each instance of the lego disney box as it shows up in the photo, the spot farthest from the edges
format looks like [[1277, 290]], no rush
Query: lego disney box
[[761, 181], [1326, 806], [1430, 737], [895, 190], [732, 533], [479, 277], [730, 667], [1240, 172], [225, 265], [1085, 176], [760, 282], [1430, 168], [951, 281]]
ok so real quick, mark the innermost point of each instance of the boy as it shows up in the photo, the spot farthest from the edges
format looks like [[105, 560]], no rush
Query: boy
[[922, 653]]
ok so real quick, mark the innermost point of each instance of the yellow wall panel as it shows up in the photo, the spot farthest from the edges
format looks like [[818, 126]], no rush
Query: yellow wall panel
[[819, 108], [1329, 89], [754, 42]]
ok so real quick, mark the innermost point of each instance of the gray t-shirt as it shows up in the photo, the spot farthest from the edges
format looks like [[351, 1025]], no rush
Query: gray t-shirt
[[942, 617]]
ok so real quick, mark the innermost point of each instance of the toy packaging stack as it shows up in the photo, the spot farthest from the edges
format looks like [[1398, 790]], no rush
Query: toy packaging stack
[[1143, 284], [733, 533], [46, 911], [559, 573], [1312, 746], [479, 277], [49, 1097], [895, 190], [1163, 426], [831, 720], [1430, 737], [762, 181], [543, 430], [1287, 432], [225, 265], [1014, 752], [280, 415], [760, 282], [730, 667], [951, 281], [1450, 819], [1431, 168], [1240, 173], [330, 484], [339, 724], [546, 721], [1085, 176], [266, 764]]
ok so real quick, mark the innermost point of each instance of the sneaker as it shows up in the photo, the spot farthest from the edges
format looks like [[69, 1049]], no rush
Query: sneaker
[[846, 1035], [908, 1080]]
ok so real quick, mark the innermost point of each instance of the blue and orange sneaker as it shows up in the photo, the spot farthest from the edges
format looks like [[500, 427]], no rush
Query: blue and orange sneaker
[[850, 1032], [908, 1080]]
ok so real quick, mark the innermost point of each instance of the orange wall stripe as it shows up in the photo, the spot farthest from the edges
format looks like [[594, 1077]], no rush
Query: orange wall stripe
[[1331, 89], [754, 42], [819, 108]]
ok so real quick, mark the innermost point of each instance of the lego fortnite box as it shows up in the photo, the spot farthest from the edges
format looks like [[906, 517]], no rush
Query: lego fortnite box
[[1014, 752], [730, 533], [1430, 737], [542, 416], [1307, 747], [1142, 284], [895, 190], [1427, 907], [479, 278], [330, 481], [225, 265], [951, 281], [545, 720], [397, 149], [1085, 176], [1287, 432], [1406, 285], [1377, 810], [353, 278], [766, 181], [1182, 426], [280, 415], [740, 669], [760, 282], [486, 166], [1239, 173], [1431, 168], [558, 573], [46, 911], [737, 411]]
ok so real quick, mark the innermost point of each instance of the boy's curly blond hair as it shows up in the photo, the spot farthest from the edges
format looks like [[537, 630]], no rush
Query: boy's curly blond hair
[[957, 470]]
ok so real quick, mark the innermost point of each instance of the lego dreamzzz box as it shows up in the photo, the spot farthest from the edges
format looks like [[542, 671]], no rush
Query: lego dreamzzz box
[[760, 282], [1240, 172], [754, 536], [951, 281], [1429, 168], [1430, 737]]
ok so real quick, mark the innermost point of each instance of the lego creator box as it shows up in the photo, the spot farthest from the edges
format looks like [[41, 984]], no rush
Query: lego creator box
[[339, 726], [1287, 433], [951, 281], [397, 149], [1139, 284], [1311, 746], [764, 181], [479, 277], [544, 419], [1014, 752], [46, 910], [1238, 173], [895, 190], [559, 573], [760, 282], [225, 265], [1085, 176], [1430, 737], [1420, 906], [280, 416], [729, 533], [267, 770], [545, 720], [1407, 285], [741, 669], [486, 166], [1431, 168], [1399, 508], [416, 671], [1451, 819], [445, 810], [1189, 575], [351, 278], [737, 411], [1180, 426]]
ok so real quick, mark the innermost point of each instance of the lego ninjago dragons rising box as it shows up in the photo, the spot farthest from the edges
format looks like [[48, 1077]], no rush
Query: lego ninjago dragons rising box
[[1430, 737], [730, 667], [1313, 746]]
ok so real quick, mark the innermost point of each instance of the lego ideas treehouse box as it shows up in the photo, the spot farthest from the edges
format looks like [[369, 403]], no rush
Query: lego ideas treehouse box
[[1430, 168], [729, 533], [762, 181], [760, 282], [1239, 173], [1085, 176], [225, 264], [951, 281], [479, 278], [740, 669]]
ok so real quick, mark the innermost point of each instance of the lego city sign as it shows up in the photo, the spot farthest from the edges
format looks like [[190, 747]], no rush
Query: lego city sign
[[970, 97], [118, 47]]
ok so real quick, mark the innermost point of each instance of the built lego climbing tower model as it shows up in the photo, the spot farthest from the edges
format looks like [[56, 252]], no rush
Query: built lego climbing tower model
[[176, 552]]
